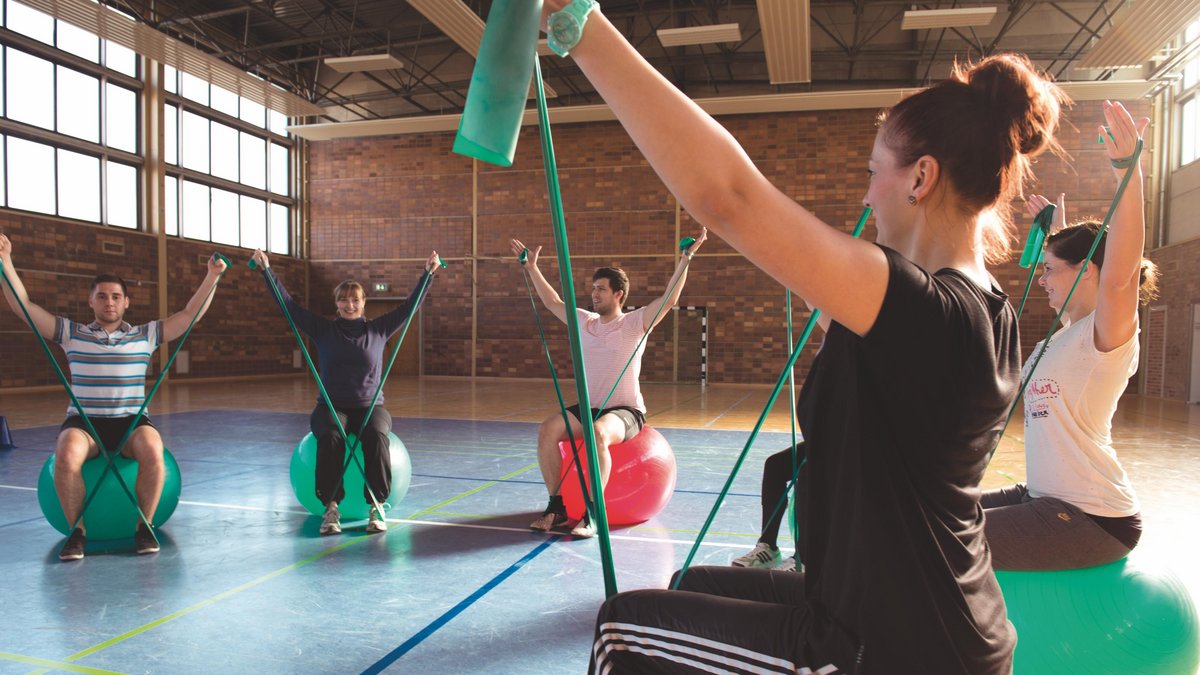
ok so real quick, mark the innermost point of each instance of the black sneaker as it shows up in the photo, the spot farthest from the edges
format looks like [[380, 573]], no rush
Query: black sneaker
[[73, 549], [144, 540]]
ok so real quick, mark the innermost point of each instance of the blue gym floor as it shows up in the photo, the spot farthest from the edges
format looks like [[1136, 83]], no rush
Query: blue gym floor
[[245, 584]]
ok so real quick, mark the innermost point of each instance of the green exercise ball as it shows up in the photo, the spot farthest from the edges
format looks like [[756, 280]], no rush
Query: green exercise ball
[[111, 513], [354, 506], [1124, 617]]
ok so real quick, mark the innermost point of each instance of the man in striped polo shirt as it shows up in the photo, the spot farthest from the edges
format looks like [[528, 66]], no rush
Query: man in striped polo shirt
[[609, 337], [108, 359]]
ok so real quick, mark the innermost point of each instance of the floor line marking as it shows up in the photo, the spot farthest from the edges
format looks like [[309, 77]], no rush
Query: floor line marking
[[255, 582], [472, 491], [214, 599], [55, 665], [726, 411], [454, 611]]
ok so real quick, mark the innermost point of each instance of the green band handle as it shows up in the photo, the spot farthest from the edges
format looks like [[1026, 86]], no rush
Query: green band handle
[[1037, 236], [686, 243], [491, 120], [218, 256]]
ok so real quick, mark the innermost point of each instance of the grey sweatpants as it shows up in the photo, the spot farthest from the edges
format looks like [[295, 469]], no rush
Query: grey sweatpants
[[1044, 533]]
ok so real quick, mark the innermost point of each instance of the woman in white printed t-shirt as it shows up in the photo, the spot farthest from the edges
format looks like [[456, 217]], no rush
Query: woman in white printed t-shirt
[[1078, 508]]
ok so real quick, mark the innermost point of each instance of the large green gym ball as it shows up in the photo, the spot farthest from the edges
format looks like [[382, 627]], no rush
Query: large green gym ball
[[111, 513], [354, 505], [1130, 616]]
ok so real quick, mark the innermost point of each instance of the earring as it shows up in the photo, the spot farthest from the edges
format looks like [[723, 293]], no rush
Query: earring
[[912, 200]]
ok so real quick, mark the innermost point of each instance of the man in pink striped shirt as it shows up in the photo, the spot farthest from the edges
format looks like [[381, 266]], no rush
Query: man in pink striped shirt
[[610, 338]]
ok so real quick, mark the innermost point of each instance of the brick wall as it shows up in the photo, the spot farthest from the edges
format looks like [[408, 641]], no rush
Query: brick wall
[[241, 335], [389, 200], [378, 205], [1179, 289]]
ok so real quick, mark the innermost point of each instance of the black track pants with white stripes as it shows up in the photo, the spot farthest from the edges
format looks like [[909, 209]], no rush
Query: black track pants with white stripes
[[722, 620]]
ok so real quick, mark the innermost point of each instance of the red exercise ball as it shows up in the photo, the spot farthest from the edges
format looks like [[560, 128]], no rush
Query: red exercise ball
[[639, 486]]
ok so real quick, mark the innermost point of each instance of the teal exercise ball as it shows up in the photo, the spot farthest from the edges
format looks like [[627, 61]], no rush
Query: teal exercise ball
[[1129, 616], [111, 513], [354, 506]]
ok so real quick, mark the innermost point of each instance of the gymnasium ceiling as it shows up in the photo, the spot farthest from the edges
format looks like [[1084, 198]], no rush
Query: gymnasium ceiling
[[852, 45]]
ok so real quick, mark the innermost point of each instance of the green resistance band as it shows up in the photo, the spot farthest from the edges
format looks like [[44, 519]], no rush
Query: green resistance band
[[564, 271], [684, 245], [357, 443], [1035, 243], [110, 457], [312, 369], [422, 293], [791, 362], [795, 523], [562, 406], [1112, 207]]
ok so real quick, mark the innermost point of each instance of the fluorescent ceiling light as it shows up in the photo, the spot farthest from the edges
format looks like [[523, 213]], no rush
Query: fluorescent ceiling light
[[920, 19], [355, 64], [699, 35], [786, 39]]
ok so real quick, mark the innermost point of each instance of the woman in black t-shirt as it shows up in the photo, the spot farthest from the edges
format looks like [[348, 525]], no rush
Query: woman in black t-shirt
[[904, 401]]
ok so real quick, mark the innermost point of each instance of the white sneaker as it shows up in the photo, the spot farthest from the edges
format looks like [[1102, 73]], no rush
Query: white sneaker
[[788, 564], [376, 522], [762, 555], [331, 523]]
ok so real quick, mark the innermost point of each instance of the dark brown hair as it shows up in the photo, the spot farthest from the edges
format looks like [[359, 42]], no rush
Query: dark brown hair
[[1073, 242], [982, 125], [617, 280], [110, 279]]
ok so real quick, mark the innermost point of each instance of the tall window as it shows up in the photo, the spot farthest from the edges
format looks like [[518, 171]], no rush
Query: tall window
[[1189, 102], [229, 175], [69, 119]]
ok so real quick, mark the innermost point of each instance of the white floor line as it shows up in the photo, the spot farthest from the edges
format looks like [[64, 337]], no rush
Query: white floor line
[[433, 523]]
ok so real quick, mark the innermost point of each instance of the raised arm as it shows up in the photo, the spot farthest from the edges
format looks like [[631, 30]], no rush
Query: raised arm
[[391, 322], [1117, 295], [175, 325], [657, 307], [705, 168], [43, 321], [1035, 203], [545, 291]]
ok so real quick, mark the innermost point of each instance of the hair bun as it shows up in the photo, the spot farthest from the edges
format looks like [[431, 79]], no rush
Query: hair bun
[[1018, 99]]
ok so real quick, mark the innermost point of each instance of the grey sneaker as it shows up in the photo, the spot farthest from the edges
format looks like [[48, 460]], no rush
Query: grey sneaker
[[549, 520], [584, 528], [73, 549], [762, 555], [144, 541], [332, 522], [788, 564], [376, 523]]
